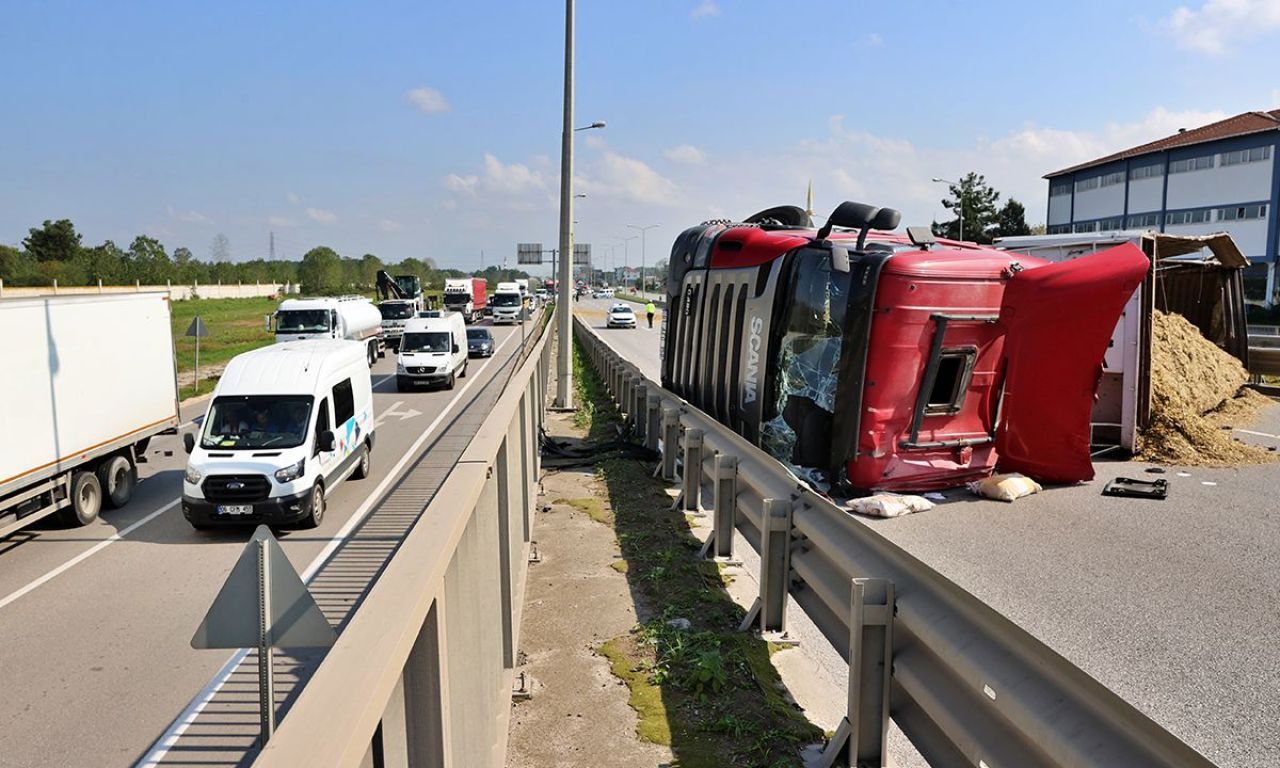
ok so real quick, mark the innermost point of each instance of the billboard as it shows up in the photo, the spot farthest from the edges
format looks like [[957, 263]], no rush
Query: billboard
[[582, 253]]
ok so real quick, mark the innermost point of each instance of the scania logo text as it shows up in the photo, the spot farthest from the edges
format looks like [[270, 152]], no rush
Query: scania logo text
[[753, 359]]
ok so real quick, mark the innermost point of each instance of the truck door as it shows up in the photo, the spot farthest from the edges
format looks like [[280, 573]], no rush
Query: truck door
[[1057, 321]]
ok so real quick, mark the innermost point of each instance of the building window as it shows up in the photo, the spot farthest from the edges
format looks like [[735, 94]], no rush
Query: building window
[[1085, 226], [1113, 178], [1143, 220], [1084, 185], [1146, 172], [1057, 188], [1192, 164], [1198, 216], [1257, 154], [1058, 229], [1239, 212], [1112, 224]]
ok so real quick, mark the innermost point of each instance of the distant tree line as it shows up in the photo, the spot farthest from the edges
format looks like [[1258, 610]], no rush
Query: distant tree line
[[55, 251]]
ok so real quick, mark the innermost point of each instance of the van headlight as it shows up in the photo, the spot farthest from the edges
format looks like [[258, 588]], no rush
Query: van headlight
[[193, 475], [291, 472]]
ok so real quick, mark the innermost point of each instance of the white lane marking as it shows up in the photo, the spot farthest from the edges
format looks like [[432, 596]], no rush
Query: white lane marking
[[179, 726], [85, 555], [1259, 434]]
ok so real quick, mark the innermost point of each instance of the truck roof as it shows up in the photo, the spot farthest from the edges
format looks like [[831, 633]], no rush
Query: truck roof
[[289, 368]]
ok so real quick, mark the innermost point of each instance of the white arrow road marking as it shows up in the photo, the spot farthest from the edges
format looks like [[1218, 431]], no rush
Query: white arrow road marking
[[391, 411]]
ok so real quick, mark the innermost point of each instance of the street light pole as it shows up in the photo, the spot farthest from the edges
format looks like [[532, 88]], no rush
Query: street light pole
[[626, 255], [961, 195], [642, 252]]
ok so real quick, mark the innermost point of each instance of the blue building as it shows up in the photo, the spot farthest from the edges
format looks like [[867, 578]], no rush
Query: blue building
[[1221, 177]]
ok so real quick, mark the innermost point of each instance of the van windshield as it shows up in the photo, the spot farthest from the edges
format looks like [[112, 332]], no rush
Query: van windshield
[[506, 300], [302, 321], [256, 421], [431, 341]]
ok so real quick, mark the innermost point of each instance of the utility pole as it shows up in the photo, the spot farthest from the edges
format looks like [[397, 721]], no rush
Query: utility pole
[[271, 248], [564, 372], [642, 251]]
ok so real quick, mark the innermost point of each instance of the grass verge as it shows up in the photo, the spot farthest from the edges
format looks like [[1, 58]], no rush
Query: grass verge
[[697, 684], [234, 325]]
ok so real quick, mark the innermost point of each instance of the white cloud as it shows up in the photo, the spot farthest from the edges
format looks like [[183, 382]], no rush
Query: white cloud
[[625, 178], [595, 142], [293, 198], [1209, 28], [189, 217], [686, 154], [321, 215], [280, 221], [705, 9], [388, 225], [874, 40], [428, 100]]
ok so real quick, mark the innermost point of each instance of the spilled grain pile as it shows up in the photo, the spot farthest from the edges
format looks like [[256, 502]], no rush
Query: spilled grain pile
[[1196, 390]]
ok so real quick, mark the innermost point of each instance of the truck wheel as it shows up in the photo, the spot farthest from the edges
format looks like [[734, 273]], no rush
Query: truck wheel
[[86, 500], [317, 508], [362, 464], [118, 477], [371, 354]]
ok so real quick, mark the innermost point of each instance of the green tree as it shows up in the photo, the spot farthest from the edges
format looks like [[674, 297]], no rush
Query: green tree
[[104, 262], [54, 241], [370, 265], [1012, 220], [321, 271], [974, 202], [147, 261], [18, 267]]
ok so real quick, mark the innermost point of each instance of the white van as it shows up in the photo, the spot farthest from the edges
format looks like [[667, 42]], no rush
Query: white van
[[286, 424], [432, 351], [508, 303]]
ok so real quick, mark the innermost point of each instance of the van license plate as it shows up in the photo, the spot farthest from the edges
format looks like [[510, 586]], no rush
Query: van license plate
[[240, 509]]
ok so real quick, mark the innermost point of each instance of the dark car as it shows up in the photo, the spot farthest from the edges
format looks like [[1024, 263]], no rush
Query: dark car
[[479, 342]]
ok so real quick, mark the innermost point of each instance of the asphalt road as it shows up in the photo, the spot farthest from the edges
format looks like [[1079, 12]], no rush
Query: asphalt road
[[95, 622], [1174, 605]]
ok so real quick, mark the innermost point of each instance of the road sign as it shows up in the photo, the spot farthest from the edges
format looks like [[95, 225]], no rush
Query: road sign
[[197, 328], [582, 253], [263, 604], [529, 253]]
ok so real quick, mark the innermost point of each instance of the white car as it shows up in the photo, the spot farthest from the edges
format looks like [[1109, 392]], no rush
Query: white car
[[622, 316], [602, 293]]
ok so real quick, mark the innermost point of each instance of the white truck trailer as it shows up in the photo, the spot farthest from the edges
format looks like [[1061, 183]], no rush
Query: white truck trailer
[[88, 380], [343, 317]]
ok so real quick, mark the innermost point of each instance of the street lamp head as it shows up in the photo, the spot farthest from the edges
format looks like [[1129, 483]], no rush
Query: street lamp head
[[596, 124]]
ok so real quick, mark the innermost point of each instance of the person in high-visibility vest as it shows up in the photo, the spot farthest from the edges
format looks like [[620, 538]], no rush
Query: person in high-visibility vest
[[650, 309]]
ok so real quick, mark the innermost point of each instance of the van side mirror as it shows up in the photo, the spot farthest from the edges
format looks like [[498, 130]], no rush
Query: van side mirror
[[326, 440], [456, 348], [188, 441]]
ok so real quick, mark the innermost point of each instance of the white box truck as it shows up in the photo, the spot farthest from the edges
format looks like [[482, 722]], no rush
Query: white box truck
[[354, 318], [87, 381], [286, 425]]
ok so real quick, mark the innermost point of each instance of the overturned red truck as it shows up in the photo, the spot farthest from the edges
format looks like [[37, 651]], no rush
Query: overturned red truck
[[889, 361]]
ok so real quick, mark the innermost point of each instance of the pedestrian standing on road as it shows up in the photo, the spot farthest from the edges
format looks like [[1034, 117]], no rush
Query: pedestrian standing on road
[[650, 309]]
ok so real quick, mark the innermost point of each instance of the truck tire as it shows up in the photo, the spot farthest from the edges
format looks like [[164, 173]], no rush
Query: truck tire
[[371, 353], [118, 477], [86, 500], [362, 464], [316, 516]]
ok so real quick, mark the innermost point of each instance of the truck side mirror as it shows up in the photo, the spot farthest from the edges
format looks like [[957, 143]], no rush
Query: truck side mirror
[[326, 440], [189, 441]]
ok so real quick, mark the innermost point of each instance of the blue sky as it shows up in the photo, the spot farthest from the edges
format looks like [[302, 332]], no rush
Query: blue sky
[[429, 129]]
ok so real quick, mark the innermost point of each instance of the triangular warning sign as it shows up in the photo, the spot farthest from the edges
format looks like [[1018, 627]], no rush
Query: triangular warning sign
[[293, 621], [197, 327]]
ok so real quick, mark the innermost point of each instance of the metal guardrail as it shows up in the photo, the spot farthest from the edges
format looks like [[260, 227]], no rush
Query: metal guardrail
[[964, 683], [422, 674]]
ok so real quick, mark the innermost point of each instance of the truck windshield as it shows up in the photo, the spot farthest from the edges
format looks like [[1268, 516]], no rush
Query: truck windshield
[[241, 422], [302, 321], [410, 285], [431, 341], [396, 311], [456, 299], [506, 300]]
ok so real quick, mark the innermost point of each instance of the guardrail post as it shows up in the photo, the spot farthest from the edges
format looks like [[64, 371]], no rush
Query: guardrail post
[[726, 505], [670, 442], [653, 421], [862, 737], [692, 472], [775, 569], [639, 416]]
